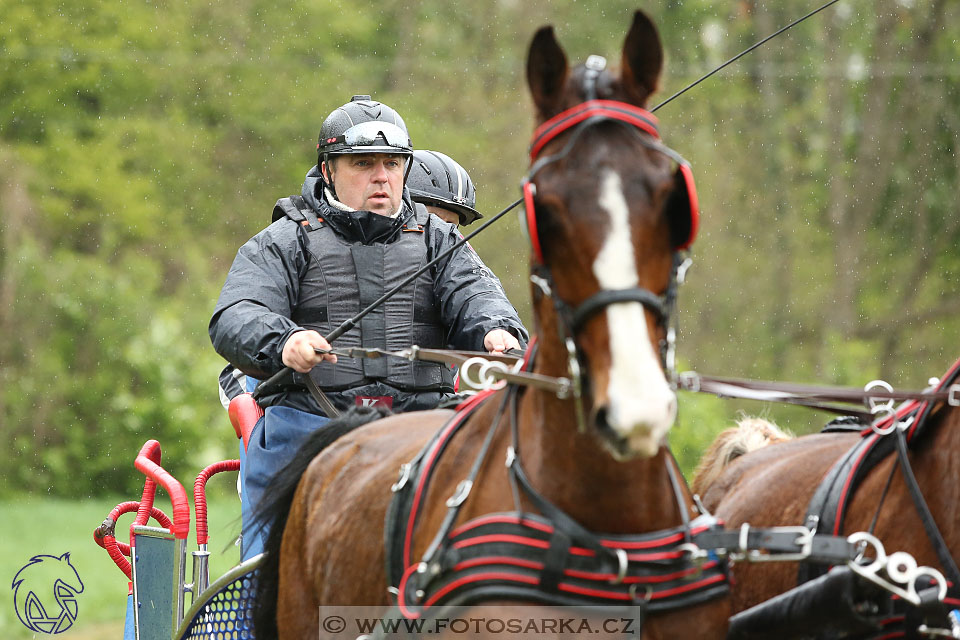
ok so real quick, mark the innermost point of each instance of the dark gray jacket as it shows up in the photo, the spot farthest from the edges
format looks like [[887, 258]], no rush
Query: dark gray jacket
[[252, 318]]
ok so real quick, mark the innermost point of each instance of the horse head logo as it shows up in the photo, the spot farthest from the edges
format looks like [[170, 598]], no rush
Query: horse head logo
[[45, 594]]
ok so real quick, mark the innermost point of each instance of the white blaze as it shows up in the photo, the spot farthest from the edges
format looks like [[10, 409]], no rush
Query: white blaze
[[641, 406]]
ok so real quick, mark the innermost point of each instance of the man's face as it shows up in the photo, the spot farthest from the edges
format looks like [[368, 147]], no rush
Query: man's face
[[444, 214], [372, 182]]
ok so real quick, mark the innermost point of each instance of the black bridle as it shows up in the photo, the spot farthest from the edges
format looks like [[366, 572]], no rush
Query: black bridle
[[576, 121]]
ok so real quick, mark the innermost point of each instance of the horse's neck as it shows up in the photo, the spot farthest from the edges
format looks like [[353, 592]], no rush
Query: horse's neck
[[936, 464], [574, 472]]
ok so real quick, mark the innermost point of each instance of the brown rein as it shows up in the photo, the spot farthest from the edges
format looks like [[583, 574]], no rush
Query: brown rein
[[484, 370], [878, 401]]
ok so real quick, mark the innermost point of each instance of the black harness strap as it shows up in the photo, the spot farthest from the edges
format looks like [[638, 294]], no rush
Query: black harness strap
[[923, 510], [414, 482], [523, 554], [828, 506], [606, 297]]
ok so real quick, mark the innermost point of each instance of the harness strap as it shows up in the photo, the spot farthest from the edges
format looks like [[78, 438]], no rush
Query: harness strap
[[923, 510], [828, 506], [412, 486], [570, 527], [606, 297], [463, 489], [528, 557]]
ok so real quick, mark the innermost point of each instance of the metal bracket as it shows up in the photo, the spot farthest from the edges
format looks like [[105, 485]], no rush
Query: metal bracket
[[689, 381], [682, 270], [622, 562], [596, 63], [463, 490], [899, 567], [953, 399], [542, 283], [404, 477], [884, 412]]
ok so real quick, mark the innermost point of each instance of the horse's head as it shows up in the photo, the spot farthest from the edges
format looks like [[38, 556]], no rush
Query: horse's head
[[607, 211]]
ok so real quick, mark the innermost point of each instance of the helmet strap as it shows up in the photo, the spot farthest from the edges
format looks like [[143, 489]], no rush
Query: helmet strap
[[327, 182]]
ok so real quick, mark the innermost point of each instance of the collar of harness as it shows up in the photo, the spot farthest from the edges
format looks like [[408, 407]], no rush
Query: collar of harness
[[525, 556], [534, 558]]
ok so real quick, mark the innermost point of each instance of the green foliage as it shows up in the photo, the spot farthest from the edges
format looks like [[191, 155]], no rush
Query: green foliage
[[141, 143]]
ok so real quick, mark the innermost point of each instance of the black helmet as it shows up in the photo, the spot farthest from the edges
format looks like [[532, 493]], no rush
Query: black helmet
[[363, 125], [437, 179]]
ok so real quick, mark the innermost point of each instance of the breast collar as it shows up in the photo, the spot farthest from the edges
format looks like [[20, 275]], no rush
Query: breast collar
[[545, 558]]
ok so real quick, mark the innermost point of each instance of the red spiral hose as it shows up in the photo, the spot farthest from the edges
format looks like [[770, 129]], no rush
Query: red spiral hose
[[200, 497], [148, 463]]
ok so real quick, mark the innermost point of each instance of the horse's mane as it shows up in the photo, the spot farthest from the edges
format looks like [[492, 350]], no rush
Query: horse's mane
[[277, 500], [749, 434]]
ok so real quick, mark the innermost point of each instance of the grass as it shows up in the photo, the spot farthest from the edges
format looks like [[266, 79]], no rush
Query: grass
[[36, 525]]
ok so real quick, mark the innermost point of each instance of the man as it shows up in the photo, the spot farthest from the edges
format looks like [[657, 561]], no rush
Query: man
[[351, 235], [436, 181]]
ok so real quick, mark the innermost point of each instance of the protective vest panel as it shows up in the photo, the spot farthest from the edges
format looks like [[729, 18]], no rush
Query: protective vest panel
[[343, 278]]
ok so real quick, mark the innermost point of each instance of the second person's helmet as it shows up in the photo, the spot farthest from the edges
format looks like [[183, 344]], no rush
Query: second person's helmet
[[437, 179]]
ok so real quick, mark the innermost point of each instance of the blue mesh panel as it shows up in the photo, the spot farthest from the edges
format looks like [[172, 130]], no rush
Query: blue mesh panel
[[227, 614]]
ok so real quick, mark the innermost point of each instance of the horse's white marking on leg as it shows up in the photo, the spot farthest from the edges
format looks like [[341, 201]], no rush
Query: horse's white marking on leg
[[641, 406]]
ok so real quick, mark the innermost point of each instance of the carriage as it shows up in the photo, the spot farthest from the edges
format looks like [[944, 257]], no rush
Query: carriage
[[155, 560], [600, 387]]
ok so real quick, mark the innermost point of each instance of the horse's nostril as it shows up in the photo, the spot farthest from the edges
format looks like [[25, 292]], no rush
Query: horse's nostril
[[601, 420]]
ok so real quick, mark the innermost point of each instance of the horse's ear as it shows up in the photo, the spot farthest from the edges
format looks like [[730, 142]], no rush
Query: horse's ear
[[546, 72], [642, 59]]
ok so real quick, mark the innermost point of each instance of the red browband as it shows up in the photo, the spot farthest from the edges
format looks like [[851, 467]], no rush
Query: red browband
[[609, 109]]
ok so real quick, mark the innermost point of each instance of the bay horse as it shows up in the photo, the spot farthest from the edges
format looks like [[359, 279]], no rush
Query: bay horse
[[776, 484], [608, 206]]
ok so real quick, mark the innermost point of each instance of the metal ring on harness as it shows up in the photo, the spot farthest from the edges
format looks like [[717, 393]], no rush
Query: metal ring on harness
[[873, 403], [491, 381], [482, 378], [622, 562], [885, 413], [866, 540]]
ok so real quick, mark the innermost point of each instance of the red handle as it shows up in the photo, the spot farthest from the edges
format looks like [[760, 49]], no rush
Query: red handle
[[200, 496], [178, 496], [118, 551], [150, 450]]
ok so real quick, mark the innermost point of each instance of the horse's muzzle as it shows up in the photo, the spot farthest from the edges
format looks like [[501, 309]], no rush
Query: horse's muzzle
[[637, 429]]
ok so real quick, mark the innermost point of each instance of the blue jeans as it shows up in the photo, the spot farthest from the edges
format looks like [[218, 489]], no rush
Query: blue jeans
[[274, 442]]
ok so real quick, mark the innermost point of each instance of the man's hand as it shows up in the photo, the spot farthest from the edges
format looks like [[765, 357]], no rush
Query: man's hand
[[298, 351], [499, 340]]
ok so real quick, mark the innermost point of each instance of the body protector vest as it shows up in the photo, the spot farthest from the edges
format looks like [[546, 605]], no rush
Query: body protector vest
[[344, 277]]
